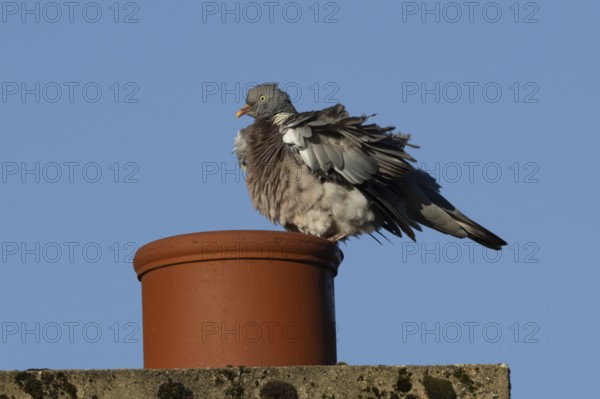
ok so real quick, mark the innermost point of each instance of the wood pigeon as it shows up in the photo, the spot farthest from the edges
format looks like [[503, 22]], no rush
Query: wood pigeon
[[334, 176]]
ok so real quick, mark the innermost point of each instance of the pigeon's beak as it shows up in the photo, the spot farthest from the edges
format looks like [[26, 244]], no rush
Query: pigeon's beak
[[242, 111]]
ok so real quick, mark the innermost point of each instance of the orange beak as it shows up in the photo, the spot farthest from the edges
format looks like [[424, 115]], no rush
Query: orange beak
[[242, 111]]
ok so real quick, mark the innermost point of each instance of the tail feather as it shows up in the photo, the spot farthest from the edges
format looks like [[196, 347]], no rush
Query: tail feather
[[428, 207], [483, 236]]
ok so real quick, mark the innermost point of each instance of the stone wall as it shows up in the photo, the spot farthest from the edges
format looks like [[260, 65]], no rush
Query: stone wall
[[314, 382]]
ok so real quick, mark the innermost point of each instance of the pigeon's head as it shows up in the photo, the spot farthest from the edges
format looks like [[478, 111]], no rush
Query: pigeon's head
[[265, 101]]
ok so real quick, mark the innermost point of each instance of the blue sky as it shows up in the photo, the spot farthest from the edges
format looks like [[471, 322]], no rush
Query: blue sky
[[117, 123]]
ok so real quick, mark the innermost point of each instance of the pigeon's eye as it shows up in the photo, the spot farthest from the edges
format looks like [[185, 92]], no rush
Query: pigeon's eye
[[262, 98]]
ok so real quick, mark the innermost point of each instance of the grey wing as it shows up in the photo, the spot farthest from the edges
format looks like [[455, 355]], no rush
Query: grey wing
[[366, 156], [331, 142], [373, 159]]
